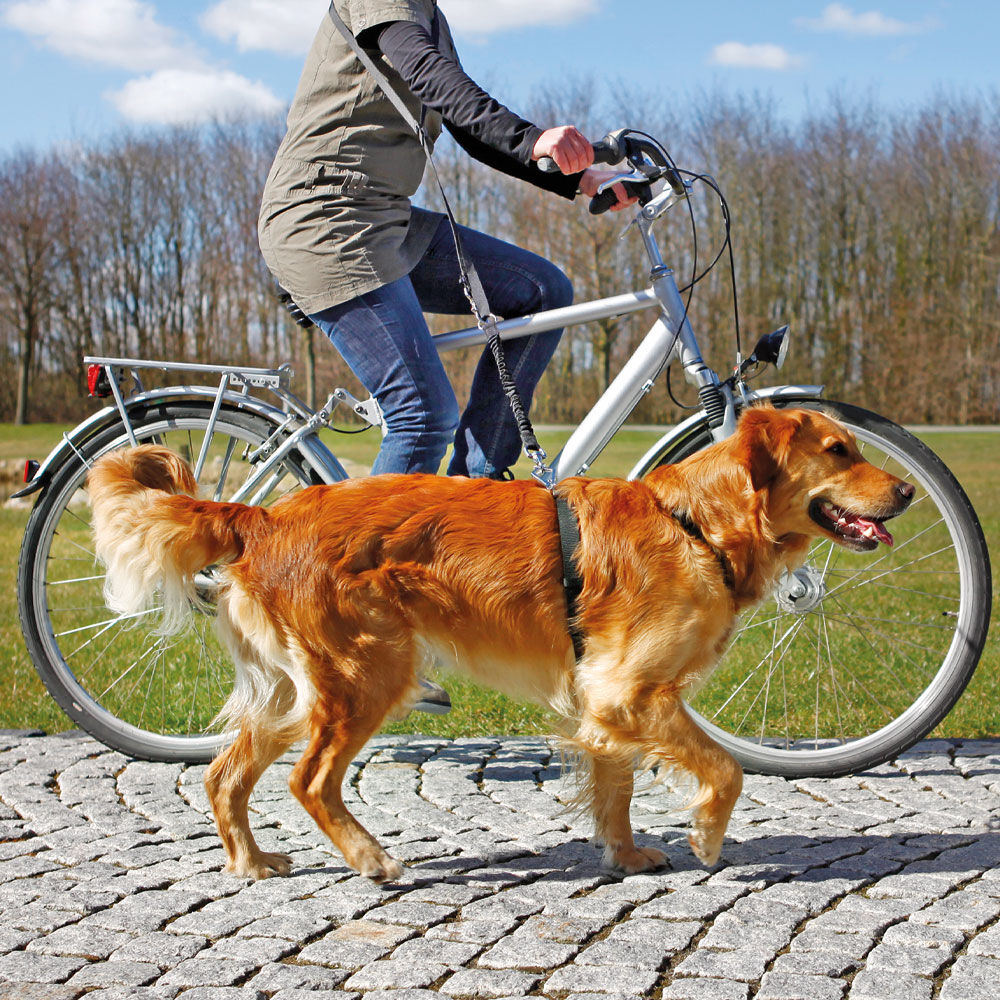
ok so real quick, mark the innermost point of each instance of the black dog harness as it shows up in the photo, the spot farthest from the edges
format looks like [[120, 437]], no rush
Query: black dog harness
[[569, 541]]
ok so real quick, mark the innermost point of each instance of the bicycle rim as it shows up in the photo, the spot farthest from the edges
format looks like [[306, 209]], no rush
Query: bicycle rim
[[859, 655], [147, 695]]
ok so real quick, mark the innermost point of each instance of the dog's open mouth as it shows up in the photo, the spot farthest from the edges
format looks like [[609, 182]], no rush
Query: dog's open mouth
[[854, 530]]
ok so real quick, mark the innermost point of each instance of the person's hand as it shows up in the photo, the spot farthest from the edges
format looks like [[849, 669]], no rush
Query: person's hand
[[592, 179], [567, 145]]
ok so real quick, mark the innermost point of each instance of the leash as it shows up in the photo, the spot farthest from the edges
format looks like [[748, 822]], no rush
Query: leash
[[472, 286]]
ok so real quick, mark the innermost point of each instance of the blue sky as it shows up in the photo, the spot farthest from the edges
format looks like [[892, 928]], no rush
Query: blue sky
[[73, 69]]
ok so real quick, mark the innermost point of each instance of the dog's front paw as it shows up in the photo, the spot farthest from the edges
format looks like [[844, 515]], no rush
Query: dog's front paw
[[633, 860], [706, 846], [380, 868], [263, 864]]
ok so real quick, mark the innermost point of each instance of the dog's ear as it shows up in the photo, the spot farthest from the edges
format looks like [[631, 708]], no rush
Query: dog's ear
[[763, 441]]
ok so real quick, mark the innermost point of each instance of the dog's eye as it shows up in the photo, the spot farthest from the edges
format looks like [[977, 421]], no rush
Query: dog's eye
[[838, 449]]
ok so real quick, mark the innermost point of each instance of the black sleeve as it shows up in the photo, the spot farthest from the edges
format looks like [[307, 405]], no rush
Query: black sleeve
[[481, 125]]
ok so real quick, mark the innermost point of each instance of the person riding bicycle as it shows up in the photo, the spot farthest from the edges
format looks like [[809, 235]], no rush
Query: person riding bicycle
[[339, 233]]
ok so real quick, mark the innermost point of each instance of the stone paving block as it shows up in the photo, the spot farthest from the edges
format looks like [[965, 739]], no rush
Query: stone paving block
[[601, 979], [451, 953], [356, 944], [115, 974], [147, 911], [882, 985], [573, 930], [392, 973], [221, 993], [927, 959], [30, 967], [401, 995], [86, 941], [522, 953], [784, 986], [473, 931], [276, 977], [303, 994], [742, 965], [412, 914], [207, 972], [259, 950], [699, 902], [815, 963], [706, 989], [488, 984]]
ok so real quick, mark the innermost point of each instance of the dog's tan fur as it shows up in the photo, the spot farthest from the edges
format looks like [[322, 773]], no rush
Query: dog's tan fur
[[333, 599]]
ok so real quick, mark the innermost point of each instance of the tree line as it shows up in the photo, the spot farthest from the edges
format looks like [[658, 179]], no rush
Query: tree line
[[873, 232]]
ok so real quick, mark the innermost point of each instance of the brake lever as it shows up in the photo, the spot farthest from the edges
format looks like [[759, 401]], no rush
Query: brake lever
[[632, 177]]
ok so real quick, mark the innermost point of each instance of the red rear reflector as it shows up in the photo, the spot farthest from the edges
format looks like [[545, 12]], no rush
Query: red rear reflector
[[30, 468], [97, 381]]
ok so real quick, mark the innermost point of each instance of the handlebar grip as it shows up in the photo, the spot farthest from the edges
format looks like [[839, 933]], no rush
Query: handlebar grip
[[600, 203], [604, 152]]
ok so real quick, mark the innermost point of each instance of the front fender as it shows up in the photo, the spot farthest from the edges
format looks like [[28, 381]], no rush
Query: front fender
[[673, 441], [110, 415]]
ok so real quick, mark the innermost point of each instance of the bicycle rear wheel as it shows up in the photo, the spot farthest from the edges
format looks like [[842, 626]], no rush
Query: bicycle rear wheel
[[857, 656], [147, 695]]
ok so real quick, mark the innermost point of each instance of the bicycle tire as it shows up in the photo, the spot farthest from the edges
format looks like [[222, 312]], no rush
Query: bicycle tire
[[148, 696], [878, 650]]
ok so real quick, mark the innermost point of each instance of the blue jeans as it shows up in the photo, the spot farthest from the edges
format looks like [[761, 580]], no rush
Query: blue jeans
[[384, 338]]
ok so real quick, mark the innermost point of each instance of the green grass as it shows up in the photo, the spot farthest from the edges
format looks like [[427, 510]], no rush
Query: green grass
[[974, 457]]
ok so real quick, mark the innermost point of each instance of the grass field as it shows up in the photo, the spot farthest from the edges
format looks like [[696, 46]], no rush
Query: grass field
[[974, 457]]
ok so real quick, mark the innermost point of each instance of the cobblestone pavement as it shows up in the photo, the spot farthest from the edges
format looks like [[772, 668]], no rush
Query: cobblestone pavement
[[882, 885]]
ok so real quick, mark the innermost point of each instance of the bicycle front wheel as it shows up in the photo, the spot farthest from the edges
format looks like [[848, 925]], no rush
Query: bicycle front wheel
[[147, 695], [855, 657]]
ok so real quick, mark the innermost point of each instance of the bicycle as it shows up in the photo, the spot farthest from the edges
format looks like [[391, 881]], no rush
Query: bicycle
[[853, 660]]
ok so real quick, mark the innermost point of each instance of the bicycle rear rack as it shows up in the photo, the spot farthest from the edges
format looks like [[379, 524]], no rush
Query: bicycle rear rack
[[275, 379]]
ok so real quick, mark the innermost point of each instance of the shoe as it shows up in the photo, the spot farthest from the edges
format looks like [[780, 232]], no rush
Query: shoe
[[433, 699]]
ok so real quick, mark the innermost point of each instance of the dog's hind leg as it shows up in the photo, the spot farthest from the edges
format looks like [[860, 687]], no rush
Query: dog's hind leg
[[611, 794], [229, 780]]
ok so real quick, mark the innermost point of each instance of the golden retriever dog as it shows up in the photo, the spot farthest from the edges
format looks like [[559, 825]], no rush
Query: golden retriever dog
[[333, 600]]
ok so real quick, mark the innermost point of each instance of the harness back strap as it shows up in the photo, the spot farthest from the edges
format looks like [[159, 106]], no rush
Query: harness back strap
[[569, 540]]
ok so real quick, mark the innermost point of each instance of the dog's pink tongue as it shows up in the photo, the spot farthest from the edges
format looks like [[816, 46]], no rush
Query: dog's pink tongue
[[879, 530]]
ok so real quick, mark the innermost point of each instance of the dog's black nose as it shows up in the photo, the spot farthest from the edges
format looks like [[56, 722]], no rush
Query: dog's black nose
[[906, 491]]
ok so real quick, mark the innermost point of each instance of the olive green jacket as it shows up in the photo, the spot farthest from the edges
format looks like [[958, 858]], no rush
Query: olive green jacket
[[336, 220]]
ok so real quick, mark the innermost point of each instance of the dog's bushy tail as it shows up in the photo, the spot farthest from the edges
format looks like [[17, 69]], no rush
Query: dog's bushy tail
[[154, 536]]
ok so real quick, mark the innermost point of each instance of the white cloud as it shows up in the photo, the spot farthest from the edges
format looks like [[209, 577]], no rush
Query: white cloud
[[842, 20], [285, 26], [179, 97], [762, 56], [119, 33], [482, 17]]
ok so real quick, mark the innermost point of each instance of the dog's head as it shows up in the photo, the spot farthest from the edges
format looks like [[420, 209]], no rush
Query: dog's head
[[817, 481]]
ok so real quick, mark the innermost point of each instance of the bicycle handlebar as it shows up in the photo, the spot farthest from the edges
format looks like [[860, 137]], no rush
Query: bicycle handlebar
[[646, 157], [606, 150]]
